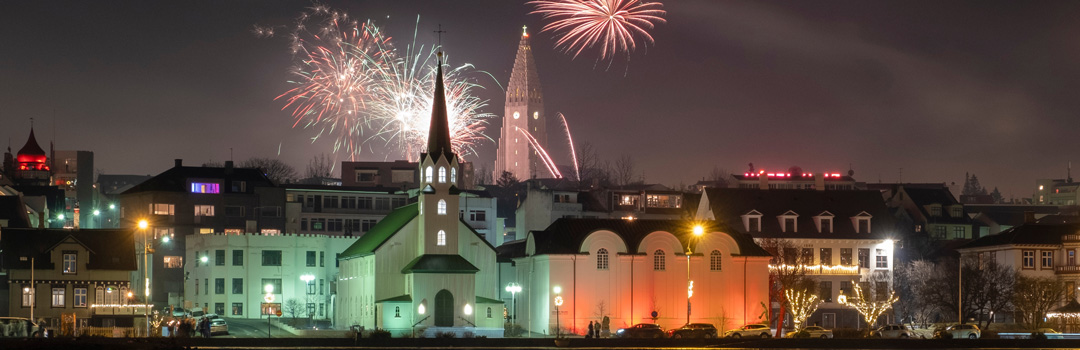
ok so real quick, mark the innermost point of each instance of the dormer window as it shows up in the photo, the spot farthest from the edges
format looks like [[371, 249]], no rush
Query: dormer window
[[824, 222], [789, 222], [935, 210], [752, 221], [956, 211], [428, 175], [862, 222], [442, 175]]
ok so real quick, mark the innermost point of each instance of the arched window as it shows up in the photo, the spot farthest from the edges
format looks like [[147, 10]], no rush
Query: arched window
[[453, 175], [442, 207], [442, 174], [489, 312], [440, 239], [714, 260], [601, 259], [427, 175], [658, 260], [397, 312]]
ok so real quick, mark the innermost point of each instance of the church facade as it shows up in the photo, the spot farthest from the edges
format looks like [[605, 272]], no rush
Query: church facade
[[422, 266]]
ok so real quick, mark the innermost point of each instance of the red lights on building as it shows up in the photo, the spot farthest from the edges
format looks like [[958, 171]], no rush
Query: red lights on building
[[789, 175]]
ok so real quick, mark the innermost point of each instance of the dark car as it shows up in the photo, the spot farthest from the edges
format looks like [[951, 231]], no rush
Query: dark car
[[641, 330], [693, 330]]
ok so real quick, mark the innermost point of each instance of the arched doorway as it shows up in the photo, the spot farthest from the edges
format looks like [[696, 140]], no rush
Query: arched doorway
[[444, 309]]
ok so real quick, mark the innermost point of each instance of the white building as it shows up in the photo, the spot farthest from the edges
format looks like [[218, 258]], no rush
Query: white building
[[422, 265], [227, 274]]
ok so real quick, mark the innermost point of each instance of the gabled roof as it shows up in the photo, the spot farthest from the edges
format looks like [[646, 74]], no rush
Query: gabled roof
[[13, 210], [109, 249], [440, 263], [510, 250], [729, 204], [565, 236], [1027, 234], [382, 231], [176, 179]]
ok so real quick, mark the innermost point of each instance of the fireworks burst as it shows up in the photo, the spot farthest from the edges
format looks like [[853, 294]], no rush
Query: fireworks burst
[[610, 25], [353, 86]]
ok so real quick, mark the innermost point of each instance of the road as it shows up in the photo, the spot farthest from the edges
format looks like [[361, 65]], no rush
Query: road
[[252, 328]]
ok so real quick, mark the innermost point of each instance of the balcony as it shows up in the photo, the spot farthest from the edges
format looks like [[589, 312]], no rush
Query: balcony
[[1070, 238], [1067, 269], [820, 270], [118, 309]]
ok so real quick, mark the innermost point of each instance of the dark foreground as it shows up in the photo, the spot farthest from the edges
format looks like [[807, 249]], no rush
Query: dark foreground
[[526, 343]]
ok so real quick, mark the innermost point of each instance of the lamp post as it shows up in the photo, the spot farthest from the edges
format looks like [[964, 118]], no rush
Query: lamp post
[[269, 306], [32, 289], [513, 288], [558, 302], [309, 290], [143, 225], [697, 231]]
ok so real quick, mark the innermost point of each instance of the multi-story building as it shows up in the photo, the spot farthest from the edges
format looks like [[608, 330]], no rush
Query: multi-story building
[[228, 274], [524, 121], [185, 201], [398, 174], [73, 171], [837, 237], [929, 208], [796, 179], [338, 210], [85, 273], [1056, 191]]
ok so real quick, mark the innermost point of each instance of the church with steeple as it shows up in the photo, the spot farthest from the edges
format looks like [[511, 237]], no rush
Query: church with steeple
[[422, 266], [524, 113]]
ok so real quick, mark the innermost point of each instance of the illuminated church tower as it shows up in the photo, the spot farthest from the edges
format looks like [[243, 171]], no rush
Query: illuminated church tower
[[31, 164], [524, 110]]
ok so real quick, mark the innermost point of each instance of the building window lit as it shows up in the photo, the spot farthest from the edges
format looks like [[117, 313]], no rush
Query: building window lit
[[602, 259], [442, 207], [442, 175], [80, 297], [715, 260], [203, 187], [440, 239], [162, 209], [58, 297], [204, 210], [453, 175], [27, 295], [428, 174], [658, 260], [883, 260], [70, 263], [173, 262]]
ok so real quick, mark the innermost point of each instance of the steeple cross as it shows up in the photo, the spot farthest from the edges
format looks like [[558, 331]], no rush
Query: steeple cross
[[440, 32]]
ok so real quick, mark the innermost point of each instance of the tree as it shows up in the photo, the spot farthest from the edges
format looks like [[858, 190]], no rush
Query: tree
[[292, 307], [787, 271], [593, 170], [996, 195], [869, 306], [802, 304], [506, 180], [972, 186], [987, 289], [914, 283], [279, 172], [1034, 296], [718, 177], [624, 170], [320, 166]]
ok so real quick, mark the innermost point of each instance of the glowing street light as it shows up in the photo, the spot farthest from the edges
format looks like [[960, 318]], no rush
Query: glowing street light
[[513, 288], [558, 303], [97, 212], [697, 231], [143, 225]]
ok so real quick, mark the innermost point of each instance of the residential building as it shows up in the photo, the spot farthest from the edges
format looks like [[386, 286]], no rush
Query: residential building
[[839, 238], [338, 210], [928, 208], [227, 274], [85, 273]]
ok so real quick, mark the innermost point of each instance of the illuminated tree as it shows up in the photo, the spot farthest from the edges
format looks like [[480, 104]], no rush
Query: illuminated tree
[[802, 304], [787, 271], [869, 307]]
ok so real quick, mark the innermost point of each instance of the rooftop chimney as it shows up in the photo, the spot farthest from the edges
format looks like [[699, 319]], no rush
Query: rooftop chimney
[[1029, 217], [179, 162]]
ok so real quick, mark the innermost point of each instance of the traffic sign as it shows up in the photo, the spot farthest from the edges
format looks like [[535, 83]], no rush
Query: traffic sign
[[278, 313]]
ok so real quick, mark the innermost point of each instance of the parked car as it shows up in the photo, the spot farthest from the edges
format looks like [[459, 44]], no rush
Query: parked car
[[1050, 333], [959, 331], [641, 330], [892, 331], [693, 330], [750, 330], [20, 327], [177, 312], [198, 314], [814, 331], [218, 326]]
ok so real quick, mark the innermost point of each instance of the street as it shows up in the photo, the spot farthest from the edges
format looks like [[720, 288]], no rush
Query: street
[[252, 328]]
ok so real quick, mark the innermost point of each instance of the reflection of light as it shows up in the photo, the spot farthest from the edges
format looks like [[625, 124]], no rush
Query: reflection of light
[[468, 309]]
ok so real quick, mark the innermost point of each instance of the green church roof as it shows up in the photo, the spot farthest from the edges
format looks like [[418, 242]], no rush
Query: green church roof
[[440, 263], [382, 231]]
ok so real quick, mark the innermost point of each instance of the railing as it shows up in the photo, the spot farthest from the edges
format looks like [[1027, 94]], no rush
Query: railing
[[110, 332], [1067, 269], [820, 269], [1070, 238], [559, 206]]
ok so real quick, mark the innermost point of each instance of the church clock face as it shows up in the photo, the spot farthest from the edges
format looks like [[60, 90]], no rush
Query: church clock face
[[536, 115], [517, 115]]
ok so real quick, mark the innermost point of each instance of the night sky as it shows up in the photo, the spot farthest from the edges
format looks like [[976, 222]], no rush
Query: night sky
[[935, 88]]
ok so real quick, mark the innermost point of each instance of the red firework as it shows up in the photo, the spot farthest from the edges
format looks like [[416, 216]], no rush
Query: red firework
[[609, 24]]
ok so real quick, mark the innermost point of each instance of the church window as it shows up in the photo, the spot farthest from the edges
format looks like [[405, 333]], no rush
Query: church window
[[397, 312], [442, 207], [602, 259], [427, 175], [489, 312], [658, 260], [453, 175], [442, 174], [440, 239], [714, 260]]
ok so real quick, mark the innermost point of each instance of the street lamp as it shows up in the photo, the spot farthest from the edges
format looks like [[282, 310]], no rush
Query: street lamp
[[269, 289], [310, 291], [513, 288], [558, 302], [143, 225], [698, 231]]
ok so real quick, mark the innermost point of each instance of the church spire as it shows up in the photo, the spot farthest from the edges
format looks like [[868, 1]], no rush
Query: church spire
[[439, 130]]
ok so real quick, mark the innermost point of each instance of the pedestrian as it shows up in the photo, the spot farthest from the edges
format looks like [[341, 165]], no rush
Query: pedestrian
[[589, 335], [597, 331], [206, 327]]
